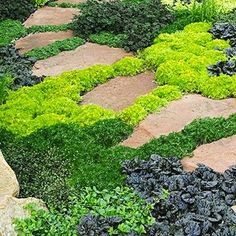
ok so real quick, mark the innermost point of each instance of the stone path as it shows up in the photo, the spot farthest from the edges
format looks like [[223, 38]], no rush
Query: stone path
[[178, 114], [219, 155], [51, 16], [32, 41], [84, 56], [120, 92]]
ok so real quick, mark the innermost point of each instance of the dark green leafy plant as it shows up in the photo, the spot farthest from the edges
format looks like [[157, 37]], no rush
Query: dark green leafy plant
[[18, 67], [55, 48], [140, 21], [16, 9], [5, 83], [48, 28], [108, 39]]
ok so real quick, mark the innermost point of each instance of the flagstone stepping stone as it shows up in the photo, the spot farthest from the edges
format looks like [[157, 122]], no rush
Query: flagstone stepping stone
[[32, 41], [176, 115], [84, 56], [51, 16], [120, 92], [219, 155], [8, 182]]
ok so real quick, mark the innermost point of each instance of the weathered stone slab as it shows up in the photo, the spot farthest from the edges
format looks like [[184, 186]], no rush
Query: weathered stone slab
[[176, 115], [219, 155], [51, 16], [32, 41], [120, 92], [8, 181], [84, 56]]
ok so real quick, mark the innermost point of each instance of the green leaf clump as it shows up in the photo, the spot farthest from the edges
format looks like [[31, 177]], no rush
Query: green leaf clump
[[55, 48], [10, 30], [121, 202], [107, 38], [139, 21]]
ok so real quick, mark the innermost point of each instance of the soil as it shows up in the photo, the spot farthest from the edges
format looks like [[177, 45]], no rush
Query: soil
[[51, 16], [176, 115], [40, 39], [219, 155], [84, 56], [120, 92]]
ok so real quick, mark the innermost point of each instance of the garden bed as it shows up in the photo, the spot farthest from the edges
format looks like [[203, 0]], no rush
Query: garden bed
[[101, 122]]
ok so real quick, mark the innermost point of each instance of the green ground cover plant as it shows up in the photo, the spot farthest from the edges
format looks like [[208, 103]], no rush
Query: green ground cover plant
[[134, 213], [106, 38], [140, 21], [55, 48], [10, 30], [48, 28], [182, 58], [16, 9]]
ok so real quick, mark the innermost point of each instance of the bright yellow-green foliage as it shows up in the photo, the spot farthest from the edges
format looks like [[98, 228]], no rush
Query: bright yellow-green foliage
[[149, 103], [181, 59], [55, 99]]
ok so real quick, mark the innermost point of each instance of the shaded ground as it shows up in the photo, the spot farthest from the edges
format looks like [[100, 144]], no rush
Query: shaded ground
[[51, 16], [120, 92], [178, 114], [41, 39], [86, 55], [219, 155]]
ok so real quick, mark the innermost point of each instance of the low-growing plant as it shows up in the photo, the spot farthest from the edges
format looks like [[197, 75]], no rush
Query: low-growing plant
[[134, 214], [40, 3], [48, 28], [107, 38], [10, 30], [139, 21], [5, 83], [55, 48], [16, 10]]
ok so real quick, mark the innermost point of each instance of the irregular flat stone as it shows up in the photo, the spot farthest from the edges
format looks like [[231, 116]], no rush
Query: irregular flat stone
[[219, 155], [176, 115], [32, 41], [11, 208], [120, 92], [86, 55], [51, 16], [234, 208], [8, 181]]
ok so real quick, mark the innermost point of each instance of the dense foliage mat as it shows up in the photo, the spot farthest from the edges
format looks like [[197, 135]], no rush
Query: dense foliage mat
[[92, 212], [10, 30], [16, 9], [139, 21], [198, 202], [18, 67], [54, 162]]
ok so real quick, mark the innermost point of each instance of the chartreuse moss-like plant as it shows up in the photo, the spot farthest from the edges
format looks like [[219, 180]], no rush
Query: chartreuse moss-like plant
[[181, 59], [134, 212], [55, 99], [55, 48]]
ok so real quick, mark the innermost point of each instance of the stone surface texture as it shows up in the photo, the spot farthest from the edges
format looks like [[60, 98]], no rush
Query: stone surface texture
[[84, 56], [219, 155], [51, 16], [120, 92], [8, 181], [176, 115], [10, 208], [32, 41], [71, 1]]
